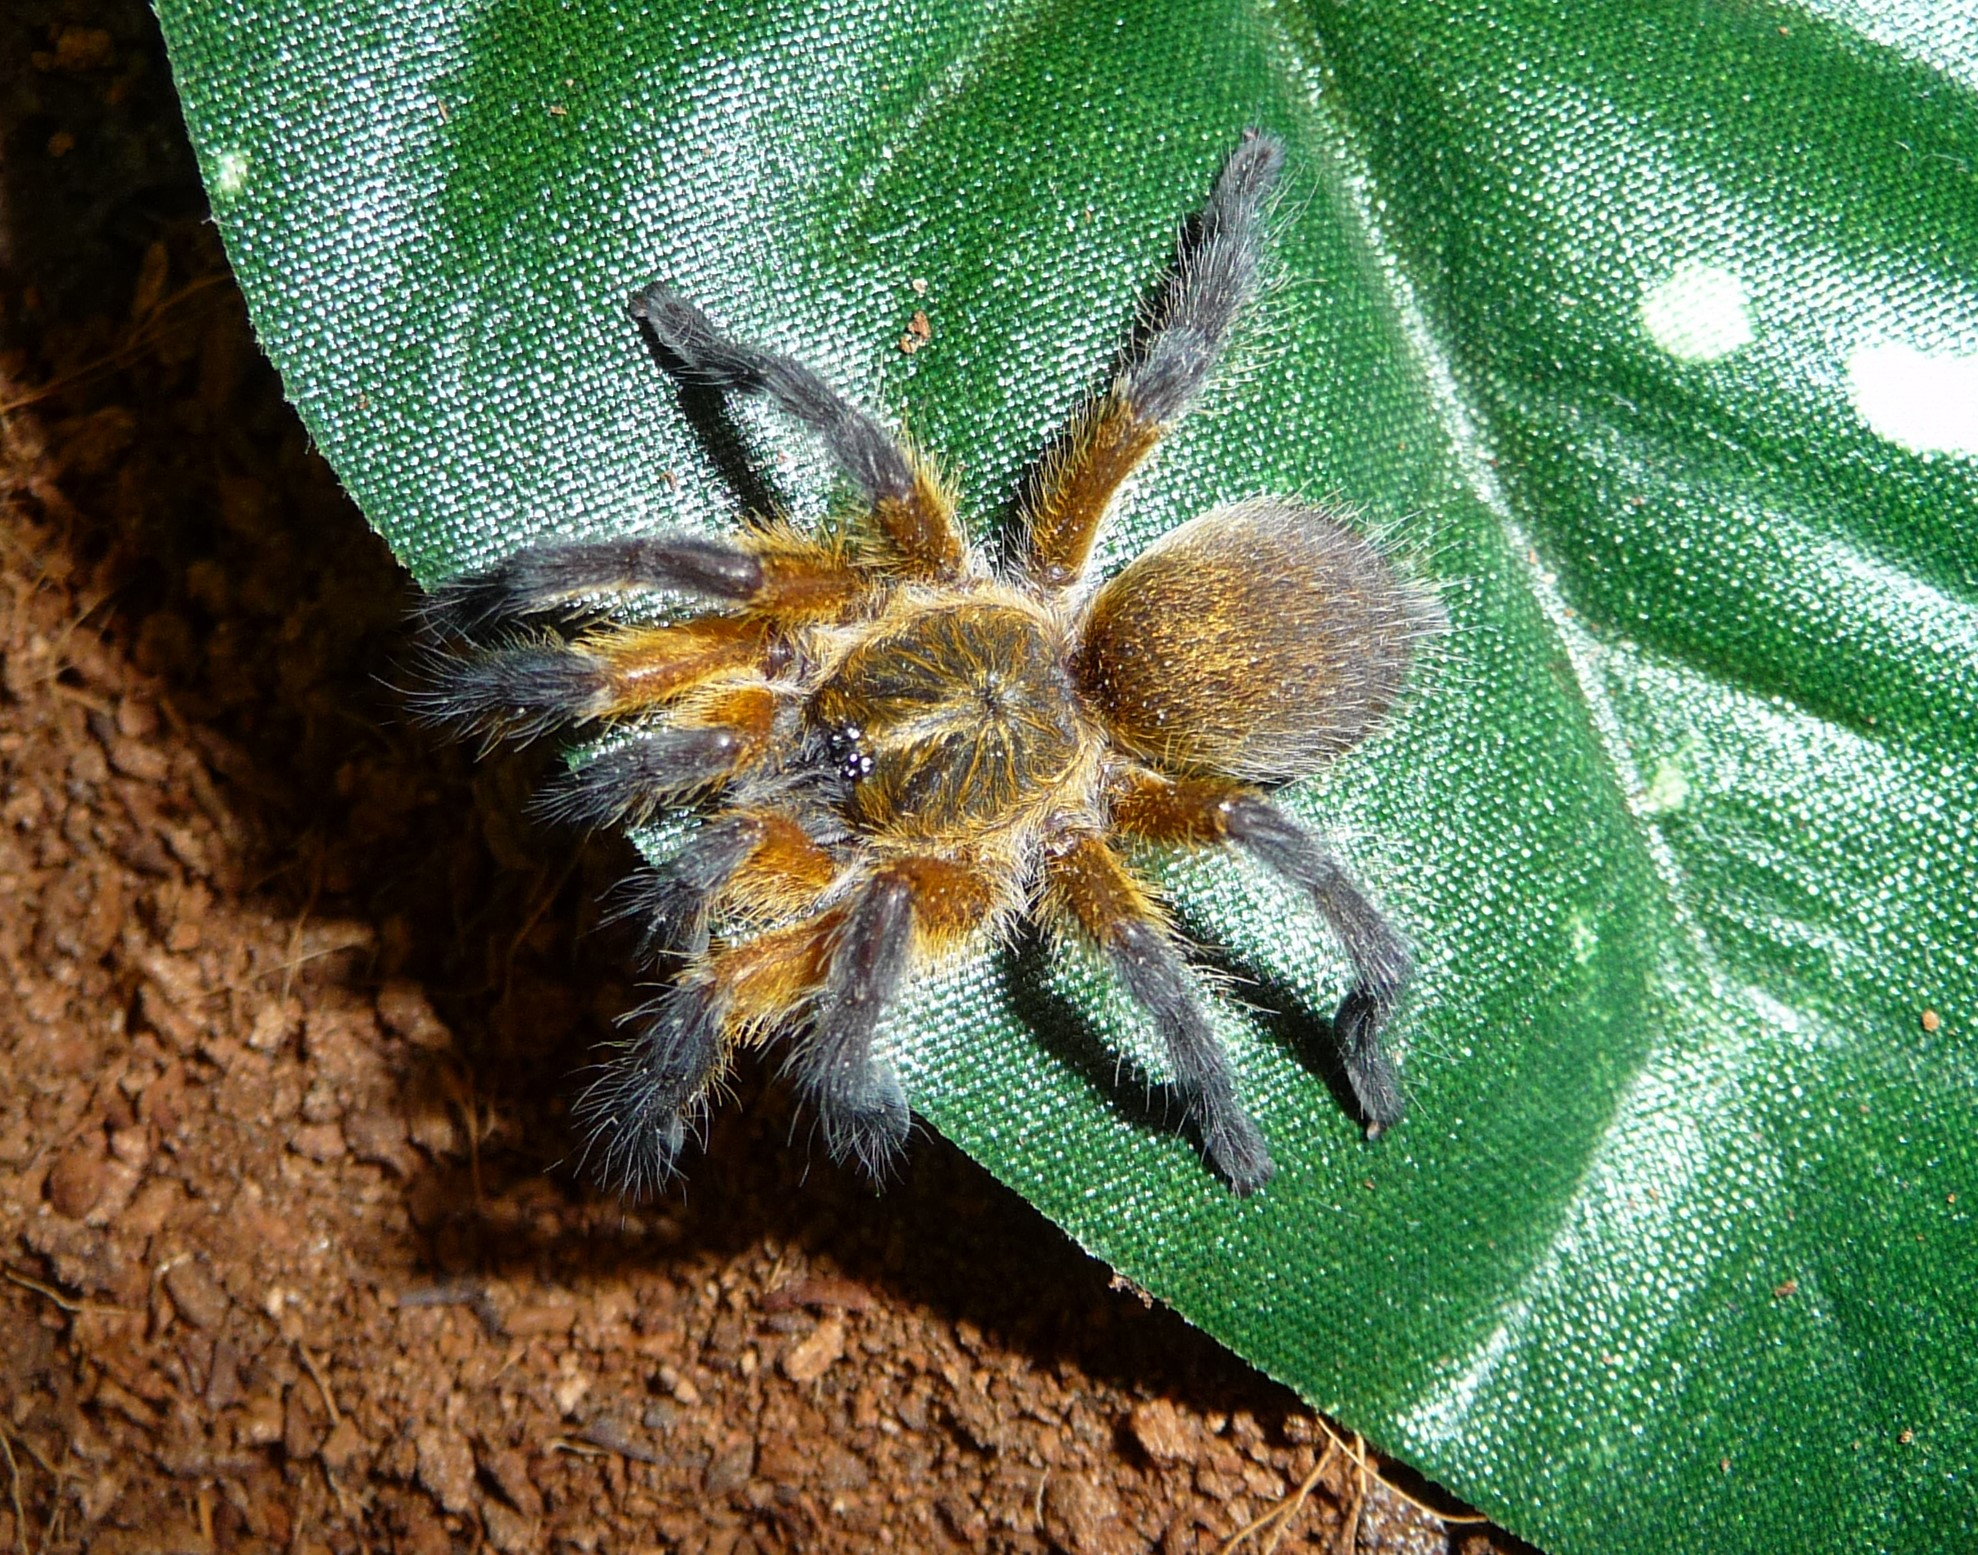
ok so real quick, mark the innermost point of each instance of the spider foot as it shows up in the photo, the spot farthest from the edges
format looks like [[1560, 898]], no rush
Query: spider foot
[[1234, 1145], [636, 1114], [1370, 1073], [514, 693], [867, 1125]]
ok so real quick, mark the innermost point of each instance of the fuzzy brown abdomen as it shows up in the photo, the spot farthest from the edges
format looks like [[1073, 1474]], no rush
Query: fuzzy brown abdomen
[[1255, 642], [952, 722]]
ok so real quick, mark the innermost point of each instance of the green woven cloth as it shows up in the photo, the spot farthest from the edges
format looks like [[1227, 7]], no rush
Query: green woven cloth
[[1647, 333]]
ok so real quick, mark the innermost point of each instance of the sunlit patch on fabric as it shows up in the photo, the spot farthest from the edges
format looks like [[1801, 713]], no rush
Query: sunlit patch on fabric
[[1668, 790], [1698, 313], [1924, 401], [230, 172]]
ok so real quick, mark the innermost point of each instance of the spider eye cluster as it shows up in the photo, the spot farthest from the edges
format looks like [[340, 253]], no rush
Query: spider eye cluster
[[848, 753], [896, 749]]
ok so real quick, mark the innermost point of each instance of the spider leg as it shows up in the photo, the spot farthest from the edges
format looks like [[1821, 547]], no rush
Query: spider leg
[[1189, 327], [845, 962], [525, 689], [654, 1086], [1208, 810], [860, 1106], [637, 1115], [914, 511], [910, 906], [762, 861], [1087, 885], [724, 731], [764, 573]]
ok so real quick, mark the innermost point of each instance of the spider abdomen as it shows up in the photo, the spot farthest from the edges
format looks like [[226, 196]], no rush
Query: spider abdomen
[[1255, 642], [958, 718]]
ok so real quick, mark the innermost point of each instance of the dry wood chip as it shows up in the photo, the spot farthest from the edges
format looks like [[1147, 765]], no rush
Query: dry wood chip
[[823, 1294], [812, 1356], [446, 1468]]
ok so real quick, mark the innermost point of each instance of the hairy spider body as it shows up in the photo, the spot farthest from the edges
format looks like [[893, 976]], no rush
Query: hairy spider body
[[900, 752], [959, 719]]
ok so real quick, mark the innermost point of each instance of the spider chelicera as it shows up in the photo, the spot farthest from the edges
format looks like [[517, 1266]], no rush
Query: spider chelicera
[[898, 750]]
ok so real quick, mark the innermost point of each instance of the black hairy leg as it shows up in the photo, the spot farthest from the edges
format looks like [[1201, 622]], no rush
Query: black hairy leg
[[523, 689], [861, 1110], [652, 1087], [1214, 278], [559, 577], [1212, 810], [913, 510], [1381, 963], [670, 902], [630, 783], [1090, 889], [1163, 374], [761, 862]]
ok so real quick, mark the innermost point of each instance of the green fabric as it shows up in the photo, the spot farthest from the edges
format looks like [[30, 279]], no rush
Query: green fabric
[[1647, 332]]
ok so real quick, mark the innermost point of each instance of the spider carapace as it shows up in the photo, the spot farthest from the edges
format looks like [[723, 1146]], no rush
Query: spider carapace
[[896, 751]]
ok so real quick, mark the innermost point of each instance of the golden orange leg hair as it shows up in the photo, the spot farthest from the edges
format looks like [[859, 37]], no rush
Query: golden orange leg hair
[[653, 1089], [758, 862], [1088, 888], [767, 571], [521, 690], [906, 908], [843, 965], [642, 667], [1078, 482], [721, 731], [800, 580], [911, 908], [1197, 811], [525, 689], [1172, 359], [920, 525], [914, 511]]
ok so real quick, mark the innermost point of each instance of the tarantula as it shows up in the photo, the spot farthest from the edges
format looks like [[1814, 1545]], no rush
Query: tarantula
[[899, 750]]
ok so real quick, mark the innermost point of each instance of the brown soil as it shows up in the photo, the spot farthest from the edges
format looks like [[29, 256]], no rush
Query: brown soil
[[290, 999]]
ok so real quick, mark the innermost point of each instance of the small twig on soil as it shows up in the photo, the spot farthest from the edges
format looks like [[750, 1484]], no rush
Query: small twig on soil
[[87, 1309], [1349, 1540], [26, 1444], [1283, 1513], [286, 968], [55, 1505], [289, 959], [512, 1357], [14, 1488], [81, 698], [322, 1383], [1365, 1473], [1368, 1471], [124, 356]]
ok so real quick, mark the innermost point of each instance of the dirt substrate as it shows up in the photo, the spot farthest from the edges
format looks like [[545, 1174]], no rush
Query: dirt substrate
[[289, 996]]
